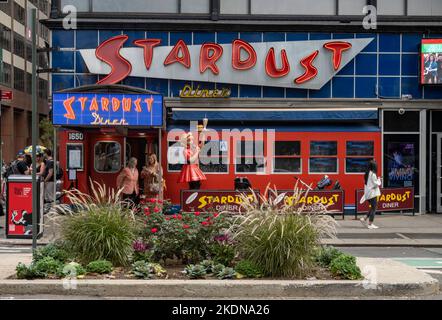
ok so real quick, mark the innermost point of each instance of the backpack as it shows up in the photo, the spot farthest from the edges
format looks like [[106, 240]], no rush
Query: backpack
[[12, 169]]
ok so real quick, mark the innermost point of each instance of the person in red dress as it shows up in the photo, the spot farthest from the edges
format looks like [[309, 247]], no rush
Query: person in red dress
[[191, 172]]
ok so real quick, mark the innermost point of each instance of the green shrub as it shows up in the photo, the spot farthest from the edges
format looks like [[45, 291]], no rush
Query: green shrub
[[99, 266], [102, 233], [280, 235], [248, 269], [226, 273], [142, 269], [222, 253], [208, 265], [72, 269], [195, 271], [345, 267], [326, 255], [51, 250], [48, 266], [218, 268], [28, 272]]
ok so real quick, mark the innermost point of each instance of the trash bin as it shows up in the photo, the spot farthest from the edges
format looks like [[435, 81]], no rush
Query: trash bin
[[19, 207]]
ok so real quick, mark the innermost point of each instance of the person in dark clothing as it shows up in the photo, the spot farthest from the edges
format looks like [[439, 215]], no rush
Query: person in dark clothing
[[24, 166], [439, 69], [49, 176]]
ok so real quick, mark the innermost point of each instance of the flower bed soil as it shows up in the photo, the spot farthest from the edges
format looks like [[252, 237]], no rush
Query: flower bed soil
[[175, 272]]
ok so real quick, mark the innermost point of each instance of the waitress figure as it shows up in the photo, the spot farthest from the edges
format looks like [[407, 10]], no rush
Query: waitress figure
[[191, 172]]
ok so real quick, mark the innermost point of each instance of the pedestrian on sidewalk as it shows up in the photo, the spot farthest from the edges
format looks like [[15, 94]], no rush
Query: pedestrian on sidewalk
[[371, 193], [127, 180]]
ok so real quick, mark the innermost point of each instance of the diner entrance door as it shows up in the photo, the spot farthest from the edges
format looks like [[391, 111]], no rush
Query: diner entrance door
[[107, 158]]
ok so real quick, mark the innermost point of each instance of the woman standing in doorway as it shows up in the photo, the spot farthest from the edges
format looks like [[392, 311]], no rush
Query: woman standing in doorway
[[371, 193], [191, 172], [128, 181], [152, 175]]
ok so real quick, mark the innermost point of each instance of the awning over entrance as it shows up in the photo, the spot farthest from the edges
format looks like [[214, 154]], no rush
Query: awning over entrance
[[238, 114]]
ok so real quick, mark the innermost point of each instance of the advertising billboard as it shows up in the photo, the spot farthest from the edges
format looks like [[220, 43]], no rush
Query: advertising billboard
[[431, 61]]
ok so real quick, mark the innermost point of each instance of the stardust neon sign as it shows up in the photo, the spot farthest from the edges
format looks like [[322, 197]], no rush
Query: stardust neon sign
[[298, 64], [94, 109]]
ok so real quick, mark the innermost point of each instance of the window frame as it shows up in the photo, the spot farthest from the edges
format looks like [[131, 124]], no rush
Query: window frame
[[336, 157], [371, 157], [107, 172], [287, 157]]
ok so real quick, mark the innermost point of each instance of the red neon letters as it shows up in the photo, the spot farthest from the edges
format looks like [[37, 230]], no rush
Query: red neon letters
[[270, 63], [109, 52], [310, 69], [174, 55], [239, 64], [147, 45], [210, 54], [337, 47]]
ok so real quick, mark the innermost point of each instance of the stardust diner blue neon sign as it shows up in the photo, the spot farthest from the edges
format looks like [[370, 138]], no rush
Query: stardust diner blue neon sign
[[101, 109]]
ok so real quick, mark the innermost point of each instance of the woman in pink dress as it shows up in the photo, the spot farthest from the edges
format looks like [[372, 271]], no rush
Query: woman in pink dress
[[191, 172]]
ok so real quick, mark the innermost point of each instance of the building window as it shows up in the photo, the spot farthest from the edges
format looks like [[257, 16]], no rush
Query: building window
[[6, 7], [28, 51], [214, 157], [42, 88], [358, 155], [5, 77], [287, 157], [19, 79], [323, 157], [107, 157], [19, 13], [249, 156], [19, 45], [43, 6], [5, 38], [28, 83]]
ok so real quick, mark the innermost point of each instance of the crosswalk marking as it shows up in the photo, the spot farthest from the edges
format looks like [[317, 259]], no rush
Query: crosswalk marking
[[422, 263]]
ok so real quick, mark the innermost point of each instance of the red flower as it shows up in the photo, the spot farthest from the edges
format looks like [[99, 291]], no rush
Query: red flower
[[174, 216], [167, 218], [208, 218], [215, 215], [156, 209], [152, 200], [186, 226], [160, 201], [153, 230], [179, 217], [197, 213], [204, 223]]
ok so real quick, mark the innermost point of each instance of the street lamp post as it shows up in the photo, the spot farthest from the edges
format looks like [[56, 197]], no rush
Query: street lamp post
[[34, 130]]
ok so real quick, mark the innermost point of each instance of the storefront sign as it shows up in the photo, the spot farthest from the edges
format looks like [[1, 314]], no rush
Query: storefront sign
[[290, 64], [391, 199], [213, 200], [97, 109], [19, 207], [189, 92], [332, 199]]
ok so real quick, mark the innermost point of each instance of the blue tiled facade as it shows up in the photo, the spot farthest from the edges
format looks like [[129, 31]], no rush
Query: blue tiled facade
[[387, 68]]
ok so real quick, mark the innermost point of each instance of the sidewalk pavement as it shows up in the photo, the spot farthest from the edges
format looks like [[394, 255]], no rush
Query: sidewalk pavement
[[394, 230], [8, 262], [384, 277]]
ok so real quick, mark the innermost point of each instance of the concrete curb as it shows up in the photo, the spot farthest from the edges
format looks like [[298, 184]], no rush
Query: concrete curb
[[216, 288], [391, 279]]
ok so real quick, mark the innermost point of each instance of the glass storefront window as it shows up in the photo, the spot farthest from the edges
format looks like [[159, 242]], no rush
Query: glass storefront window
[[358, 155], [287, 157], [323, 148], [249, 156], [213, 157], [107, 157], [323, 157], [323, 165]]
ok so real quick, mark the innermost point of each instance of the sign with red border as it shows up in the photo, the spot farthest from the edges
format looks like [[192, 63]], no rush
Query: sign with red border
[[391, 199], [333, 199]]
